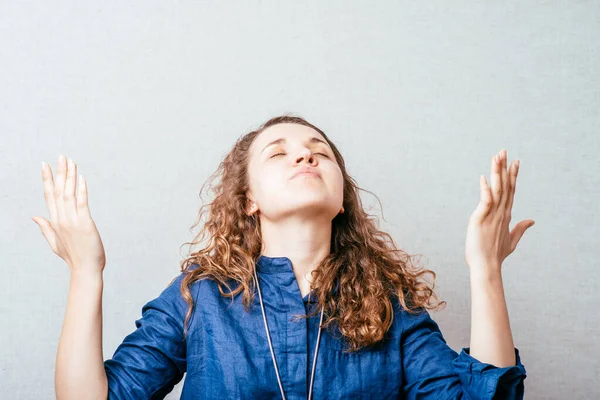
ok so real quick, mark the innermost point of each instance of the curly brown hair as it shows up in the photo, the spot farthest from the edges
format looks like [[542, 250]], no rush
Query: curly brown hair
[[364, 265]]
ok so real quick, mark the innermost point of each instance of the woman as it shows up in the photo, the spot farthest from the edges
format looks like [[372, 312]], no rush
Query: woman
[[340, 312]]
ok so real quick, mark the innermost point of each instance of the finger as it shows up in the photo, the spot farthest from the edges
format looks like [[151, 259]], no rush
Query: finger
[[49, 191], [59, 187], [82, 197], [513, 172], [485, 201], [47, 231], [495, 179], [69, 196], [503, 179]]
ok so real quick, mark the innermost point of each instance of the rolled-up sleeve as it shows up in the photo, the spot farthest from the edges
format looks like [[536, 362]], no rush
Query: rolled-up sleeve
[[431, 369], [152, 359]]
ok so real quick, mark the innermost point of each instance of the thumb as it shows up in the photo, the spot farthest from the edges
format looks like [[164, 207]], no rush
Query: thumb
[[47, 231], [517, 233]]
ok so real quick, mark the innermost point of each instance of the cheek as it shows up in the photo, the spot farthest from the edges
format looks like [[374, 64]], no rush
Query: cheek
[[269, 184], [339, 182]]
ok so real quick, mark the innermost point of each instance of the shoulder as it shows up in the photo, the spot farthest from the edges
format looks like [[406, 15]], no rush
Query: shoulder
[[413, 319], [171, 299], [173, 289]]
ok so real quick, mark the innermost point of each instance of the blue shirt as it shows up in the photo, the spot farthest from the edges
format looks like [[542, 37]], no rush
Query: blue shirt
[[227, 356]]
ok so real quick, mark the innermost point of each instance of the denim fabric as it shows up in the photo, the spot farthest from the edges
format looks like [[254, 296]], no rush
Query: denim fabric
[[227, 356]]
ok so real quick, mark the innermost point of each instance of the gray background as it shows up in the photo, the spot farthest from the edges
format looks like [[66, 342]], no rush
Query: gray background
[[148, 96]]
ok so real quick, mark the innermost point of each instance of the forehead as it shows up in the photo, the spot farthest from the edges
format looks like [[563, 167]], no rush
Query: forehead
[[290, 131]]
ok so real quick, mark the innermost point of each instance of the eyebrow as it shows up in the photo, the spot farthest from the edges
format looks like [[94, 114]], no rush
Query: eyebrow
[[283, 140]]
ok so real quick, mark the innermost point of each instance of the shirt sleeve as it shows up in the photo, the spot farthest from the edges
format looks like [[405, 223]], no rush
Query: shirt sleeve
[[152, 359], [433, 370]]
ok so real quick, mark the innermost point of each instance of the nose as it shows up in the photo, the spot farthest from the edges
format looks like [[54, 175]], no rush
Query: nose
[[306, 154]]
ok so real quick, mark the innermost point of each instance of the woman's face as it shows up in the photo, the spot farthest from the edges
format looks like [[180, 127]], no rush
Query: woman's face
[[277, 154]]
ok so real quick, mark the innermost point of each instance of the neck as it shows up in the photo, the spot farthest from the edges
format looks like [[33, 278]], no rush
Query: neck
[[304, 242]]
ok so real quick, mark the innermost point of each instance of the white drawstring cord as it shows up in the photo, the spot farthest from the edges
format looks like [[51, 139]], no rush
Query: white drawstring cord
[[312, 376]]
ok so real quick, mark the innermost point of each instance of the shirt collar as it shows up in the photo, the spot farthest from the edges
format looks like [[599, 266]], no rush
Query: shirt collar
[[281, 265], [273, 265]]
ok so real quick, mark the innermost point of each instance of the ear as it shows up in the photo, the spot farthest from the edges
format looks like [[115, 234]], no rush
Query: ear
[[251, 207]]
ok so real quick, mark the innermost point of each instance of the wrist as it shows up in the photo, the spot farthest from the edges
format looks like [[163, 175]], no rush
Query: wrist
[[486, 275], [86, 274]]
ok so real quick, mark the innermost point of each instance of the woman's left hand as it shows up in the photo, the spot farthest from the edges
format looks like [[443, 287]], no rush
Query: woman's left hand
[[489, 240]]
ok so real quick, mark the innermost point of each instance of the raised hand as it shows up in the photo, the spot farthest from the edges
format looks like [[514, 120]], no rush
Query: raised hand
[[489, 240], [71, 232]]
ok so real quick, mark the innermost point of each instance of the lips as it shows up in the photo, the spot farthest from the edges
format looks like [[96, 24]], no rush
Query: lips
[[306, 170]]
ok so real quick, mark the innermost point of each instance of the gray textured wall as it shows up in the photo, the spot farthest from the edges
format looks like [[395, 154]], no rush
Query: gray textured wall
[[148, 96]]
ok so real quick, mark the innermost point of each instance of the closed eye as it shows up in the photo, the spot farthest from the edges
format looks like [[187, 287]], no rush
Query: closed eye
[[278, 154]]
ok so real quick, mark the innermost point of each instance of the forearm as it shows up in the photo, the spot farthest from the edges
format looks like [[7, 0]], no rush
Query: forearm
[[491, 337], [80, 370]]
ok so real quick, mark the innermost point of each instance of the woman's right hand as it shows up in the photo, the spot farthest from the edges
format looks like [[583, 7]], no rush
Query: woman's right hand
[[71, 232]]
